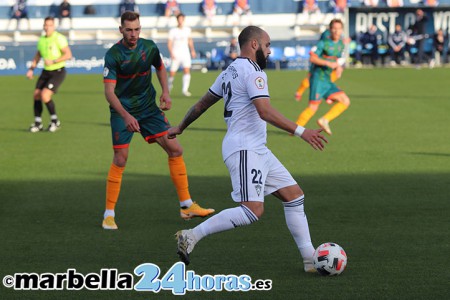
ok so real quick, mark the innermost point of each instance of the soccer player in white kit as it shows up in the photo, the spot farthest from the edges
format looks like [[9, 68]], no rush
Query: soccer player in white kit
[[181, 48], [255, 172]]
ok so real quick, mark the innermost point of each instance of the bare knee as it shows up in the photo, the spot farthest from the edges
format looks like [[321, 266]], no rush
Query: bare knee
[[120, 158], [257, 208]]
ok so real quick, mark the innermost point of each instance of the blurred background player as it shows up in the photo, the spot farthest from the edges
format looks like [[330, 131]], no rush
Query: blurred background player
[[324, 59], [181, 48], [131, 95], [335, 75], [54, 49]]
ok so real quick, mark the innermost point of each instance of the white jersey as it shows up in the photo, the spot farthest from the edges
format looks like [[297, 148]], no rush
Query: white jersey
[[180, 39], [239, 85]]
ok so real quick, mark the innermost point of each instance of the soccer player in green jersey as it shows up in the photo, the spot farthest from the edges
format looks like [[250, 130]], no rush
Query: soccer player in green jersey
[[54, 49], [325, 58], [131, 95]]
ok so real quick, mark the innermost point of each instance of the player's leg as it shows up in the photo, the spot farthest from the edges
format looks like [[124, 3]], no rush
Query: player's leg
[[280, 183], [175, 64], [37, 109], [121, 139], [342, 102], [247, 171], [113, 185], [304, 85], [187, 63], [315, 97], [46, 96], [55, 79], [178, 174]]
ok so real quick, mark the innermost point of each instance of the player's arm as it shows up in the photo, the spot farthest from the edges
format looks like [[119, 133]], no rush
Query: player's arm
[[191, 46], [130, 122], [34, 63], [66, 54], [194, 113], [272, 116], [165, 102], [170, 46], [315, 59]]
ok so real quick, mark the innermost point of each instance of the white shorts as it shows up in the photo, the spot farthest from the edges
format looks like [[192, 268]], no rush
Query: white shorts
[[183, 59], [254, 175]]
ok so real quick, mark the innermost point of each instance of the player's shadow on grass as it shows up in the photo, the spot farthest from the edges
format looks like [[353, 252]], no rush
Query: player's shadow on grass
[[430, 153]]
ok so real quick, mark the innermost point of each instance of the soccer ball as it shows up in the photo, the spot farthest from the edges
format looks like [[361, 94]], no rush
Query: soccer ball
[[330, 259]]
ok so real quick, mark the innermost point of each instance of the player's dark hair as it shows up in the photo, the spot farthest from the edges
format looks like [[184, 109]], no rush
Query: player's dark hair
[[49, 19], [129, 16], [180, 15], [336, 21], [249, 33]]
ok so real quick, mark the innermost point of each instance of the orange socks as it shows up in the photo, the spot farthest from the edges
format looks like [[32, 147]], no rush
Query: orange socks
[[303, 85], [335, 111], [113, 186], [179, 177], [305, 116]]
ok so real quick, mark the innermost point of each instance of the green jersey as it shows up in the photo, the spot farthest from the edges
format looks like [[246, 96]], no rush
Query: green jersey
[[50, 47], [131, 70], [328, 50]]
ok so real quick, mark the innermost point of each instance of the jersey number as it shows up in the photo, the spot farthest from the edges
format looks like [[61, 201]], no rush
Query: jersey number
[[226, 88], [257, 176]]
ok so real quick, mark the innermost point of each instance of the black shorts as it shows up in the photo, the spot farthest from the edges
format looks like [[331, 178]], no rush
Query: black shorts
[[51, 79]]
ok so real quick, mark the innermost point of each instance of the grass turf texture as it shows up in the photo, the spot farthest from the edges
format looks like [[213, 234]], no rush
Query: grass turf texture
[[380, 190]]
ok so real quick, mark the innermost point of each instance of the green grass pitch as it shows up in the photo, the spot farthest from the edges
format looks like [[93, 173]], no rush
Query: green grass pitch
[[380, 189]]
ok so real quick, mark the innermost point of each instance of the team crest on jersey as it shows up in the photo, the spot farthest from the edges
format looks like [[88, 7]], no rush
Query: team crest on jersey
[[258, 189], [260, 83], [105, 72]]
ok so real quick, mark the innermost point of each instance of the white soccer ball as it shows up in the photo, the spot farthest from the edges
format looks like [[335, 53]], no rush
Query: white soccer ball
[[330, 259]]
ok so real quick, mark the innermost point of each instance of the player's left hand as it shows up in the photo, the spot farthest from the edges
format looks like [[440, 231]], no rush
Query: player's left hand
[[165, 103], [314, 138]]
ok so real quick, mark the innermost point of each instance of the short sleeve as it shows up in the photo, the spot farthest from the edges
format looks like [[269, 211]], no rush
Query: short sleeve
[[62, 41], [256, 85], [109, 71], [216, 89]]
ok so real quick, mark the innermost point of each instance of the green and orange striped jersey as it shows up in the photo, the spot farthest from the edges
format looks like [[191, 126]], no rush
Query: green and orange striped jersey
[[131, 70], [329, 50]]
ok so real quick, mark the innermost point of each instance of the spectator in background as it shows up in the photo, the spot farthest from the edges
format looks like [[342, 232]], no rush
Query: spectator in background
[[209, 8], [19, 11], [128, 5], [394, 3], [370, 3], [339, 6], [397, 44], [418, 33], [440, 48], [241, 7], [172, 8], [369, 45], [310, 7], [65, 12], [430, 3], [232, 51]]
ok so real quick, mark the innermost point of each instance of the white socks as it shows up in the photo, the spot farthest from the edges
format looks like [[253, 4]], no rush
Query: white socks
[[186, 203], [186, 82], [225, 220], [109, 213], [170, 82], [297, 223]]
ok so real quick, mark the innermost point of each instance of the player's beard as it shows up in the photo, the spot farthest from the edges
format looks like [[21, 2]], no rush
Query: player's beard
[[261, 60]]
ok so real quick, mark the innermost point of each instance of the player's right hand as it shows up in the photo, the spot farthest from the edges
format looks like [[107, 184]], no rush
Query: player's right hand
[[173, 132], [30, 74], [132, 124]]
